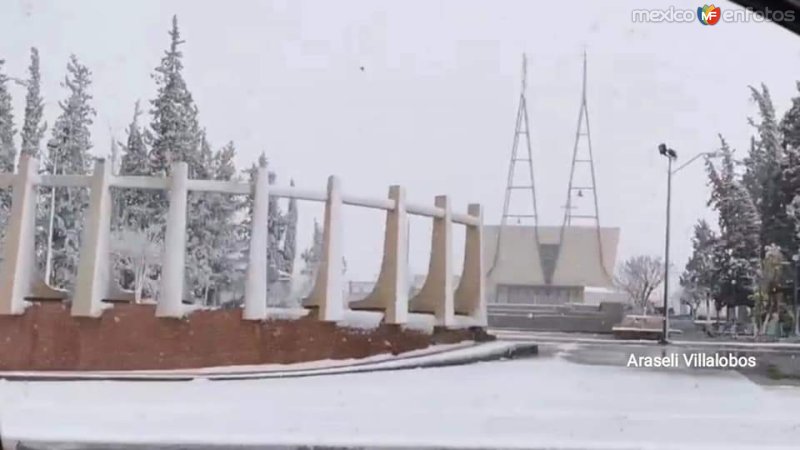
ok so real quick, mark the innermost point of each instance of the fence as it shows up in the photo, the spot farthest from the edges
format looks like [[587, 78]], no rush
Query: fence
[[451, 306]]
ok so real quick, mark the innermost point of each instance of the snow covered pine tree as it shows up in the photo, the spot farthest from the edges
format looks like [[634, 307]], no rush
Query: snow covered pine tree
[[68, 153], [8, 152], [698, 279], [763, 175], [33, 126], [737, 257]]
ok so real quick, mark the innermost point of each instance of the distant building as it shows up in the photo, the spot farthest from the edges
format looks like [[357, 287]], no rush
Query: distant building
[[357, 290], [551, 268]]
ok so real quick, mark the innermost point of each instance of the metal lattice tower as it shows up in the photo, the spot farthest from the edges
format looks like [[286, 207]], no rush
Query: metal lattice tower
[[514, 184], [583, 156]]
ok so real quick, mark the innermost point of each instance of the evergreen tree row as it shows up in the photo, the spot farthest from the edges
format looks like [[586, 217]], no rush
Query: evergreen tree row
[[757, 200], [217, 224]]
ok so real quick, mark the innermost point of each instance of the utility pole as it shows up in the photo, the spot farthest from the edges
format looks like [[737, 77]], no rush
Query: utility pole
[[795, 268], [671, 155]]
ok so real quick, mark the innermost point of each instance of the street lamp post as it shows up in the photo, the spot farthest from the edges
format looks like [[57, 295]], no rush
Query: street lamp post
[[795, 322], [671, 156]]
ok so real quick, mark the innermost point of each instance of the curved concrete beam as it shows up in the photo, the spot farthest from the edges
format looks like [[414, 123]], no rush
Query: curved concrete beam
[[327, 295], [436, 295], [470, 296], [390, 293]]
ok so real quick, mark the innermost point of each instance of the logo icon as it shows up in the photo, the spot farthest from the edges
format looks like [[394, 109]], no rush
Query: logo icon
[[708, 15]]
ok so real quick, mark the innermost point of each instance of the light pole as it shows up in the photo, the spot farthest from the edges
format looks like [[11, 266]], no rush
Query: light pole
[[795, 268], [671, 155]]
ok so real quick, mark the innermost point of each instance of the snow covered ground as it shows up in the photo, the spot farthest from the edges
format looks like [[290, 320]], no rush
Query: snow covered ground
[[435, 354], [544, 402]]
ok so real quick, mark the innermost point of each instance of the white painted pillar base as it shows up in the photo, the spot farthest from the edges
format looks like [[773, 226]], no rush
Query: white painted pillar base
[[93, 282], [470, 296], [436, 295], [16, 273], [327, 296], [170, 295], [391, 291], [255, 297]]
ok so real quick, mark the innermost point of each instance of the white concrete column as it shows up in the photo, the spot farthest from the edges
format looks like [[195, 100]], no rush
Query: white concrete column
[[93, 282], [327, 295], [170, 295], [470, 296], [255, 296], [16, 273], [391, 291], [436, 295]]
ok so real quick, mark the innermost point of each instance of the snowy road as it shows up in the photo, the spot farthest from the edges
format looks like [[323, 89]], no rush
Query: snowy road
[[545, 402]]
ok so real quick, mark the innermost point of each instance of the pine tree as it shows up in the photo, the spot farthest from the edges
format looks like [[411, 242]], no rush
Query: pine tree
[[133, 232], [199, 243], [69, 154], [134, 162], [223, 209], [312, 256], [790, 124], [212, 263], [8, 152], [244, 230], [33, 127], [737, 257], [176, 133], [282, 226], [290, 237], [176, 136], [790, 130], [699, 277], [276, 228], [763, 175]]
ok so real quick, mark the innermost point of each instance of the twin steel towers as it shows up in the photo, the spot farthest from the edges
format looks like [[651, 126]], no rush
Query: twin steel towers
[[520, 182]]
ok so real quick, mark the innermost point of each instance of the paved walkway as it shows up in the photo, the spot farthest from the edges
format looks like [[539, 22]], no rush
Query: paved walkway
[[552, 337]]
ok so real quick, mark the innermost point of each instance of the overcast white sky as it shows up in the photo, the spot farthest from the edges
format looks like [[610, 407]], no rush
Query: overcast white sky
[[434, 108]]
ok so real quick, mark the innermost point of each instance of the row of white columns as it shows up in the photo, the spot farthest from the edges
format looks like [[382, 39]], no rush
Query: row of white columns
[[391, 294]]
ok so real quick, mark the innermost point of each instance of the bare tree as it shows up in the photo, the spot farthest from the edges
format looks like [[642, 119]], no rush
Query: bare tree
[[638, 277]]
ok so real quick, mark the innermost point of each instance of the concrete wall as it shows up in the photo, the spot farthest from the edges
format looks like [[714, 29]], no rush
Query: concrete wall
[[131, 337], [566, 318]]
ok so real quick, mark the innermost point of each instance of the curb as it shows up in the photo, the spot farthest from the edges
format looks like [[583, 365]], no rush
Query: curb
[[521, 336], [444, 358]]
